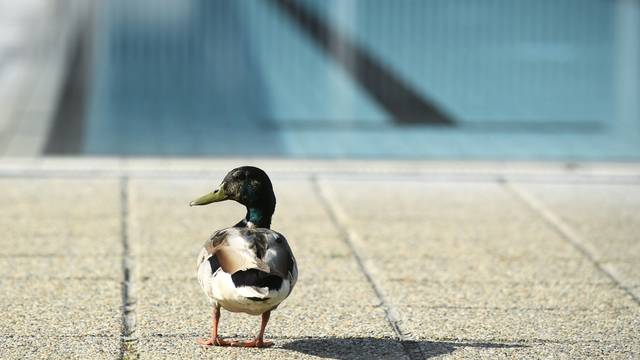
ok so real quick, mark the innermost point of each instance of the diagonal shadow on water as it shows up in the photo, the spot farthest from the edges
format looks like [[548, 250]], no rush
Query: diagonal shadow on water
[[376, 348]]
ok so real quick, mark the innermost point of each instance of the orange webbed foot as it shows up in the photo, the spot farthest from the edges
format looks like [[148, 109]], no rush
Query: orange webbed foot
[[214, 341]]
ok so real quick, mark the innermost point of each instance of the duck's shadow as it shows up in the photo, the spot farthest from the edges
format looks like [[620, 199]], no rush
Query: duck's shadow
[[375, 348]]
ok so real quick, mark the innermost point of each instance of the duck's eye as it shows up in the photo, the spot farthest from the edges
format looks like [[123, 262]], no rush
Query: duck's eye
[[216, 191]]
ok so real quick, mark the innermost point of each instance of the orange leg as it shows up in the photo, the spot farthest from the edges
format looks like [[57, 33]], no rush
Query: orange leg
[[214, 340], [258, 341]]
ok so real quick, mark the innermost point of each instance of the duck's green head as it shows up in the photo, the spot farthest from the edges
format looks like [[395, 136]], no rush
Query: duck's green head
[[251, 187]]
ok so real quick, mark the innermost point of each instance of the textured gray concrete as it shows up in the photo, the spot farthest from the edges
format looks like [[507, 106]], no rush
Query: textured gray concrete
[[298, 348], [61, 268], [396, 261], [475, 262], [602, 219]]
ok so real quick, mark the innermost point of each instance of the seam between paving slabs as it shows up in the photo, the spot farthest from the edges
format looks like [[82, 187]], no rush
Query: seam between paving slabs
[[129, 337], [566, 232], [337, 216]]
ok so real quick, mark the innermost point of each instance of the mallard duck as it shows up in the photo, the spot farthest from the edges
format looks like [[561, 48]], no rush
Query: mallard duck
[[246, 268]]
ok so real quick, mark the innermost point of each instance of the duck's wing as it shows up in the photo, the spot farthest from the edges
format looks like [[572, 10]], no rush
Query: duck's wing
[[235, 250], [216, 239], [273, 250], [278, 255], [239, 249]]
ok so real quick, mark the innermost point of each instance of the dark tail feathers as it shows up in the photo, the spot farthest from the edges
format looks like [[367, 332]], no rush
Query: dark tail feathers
[[255, 277]]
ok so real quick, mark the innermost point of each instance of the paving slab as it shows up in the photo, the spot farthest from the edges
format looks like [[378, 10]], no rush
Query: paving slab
[[624, 271], [483, 268], [618, 325], [59, 347], [537, 350], [501, 295], [607, 217], [60, 217], [470, 269], [418, 201], [77, 267], [604, 220], [179, 308], [501, 237], [62, 268], [162, 223], [284, 348], [319, 268], [472, 261], [60, 307], [332, 298]]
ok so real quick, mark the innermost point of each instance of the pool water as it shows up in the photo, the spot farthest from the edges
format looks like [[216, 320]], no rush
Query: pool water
[[542, 79]]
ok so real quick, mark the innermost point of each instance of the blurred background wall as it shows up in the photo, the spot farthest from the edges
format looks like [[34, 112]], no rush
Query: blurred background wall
[[37, 39], [426, 79]]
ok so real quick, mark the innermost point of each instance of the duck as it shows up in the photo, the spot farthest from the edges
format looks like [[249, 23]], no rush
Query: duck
[[247, 268]]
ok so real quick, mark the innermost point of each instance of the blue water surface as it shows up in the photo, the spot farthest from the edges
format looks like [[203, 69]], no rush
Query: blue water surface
[[544, 79]]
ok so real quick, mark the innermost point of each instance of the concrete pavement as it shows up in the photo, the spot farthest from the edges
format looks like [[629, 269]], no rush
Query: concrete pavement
[[397, 259]]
